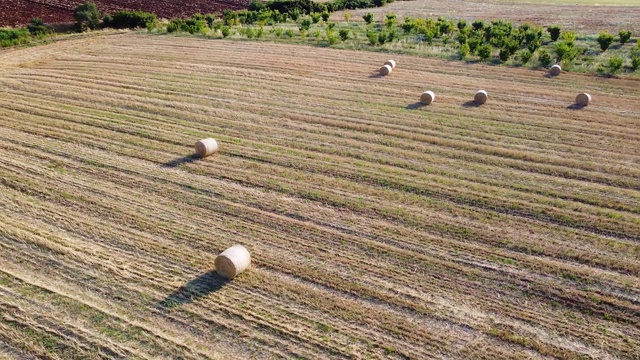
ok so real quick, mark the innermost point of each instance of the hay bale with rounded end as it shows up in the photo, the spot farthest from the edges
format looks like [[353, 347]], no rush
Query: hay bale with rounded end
[[206, 147], [555, 70], [583, 99], [480, 97], [427, 97], [233, 261], [391, 63], [385, 70]]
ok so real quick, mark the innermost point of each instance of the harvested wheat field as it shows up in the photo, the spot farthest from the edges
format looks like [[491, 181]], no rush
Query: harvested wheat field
[[377, 228]]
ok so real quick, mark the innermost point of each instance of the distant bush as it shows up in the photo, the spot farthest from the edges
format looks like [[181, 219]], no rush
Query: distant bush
[[565, 51], [305, 25], [545, 58], [344, 34], [380, 3], [625, 35], [605, 40], [484, 51], [225, 31], [464, 51], [87, 16], [193, 25], [635, 62], [12, 37], [315, 17], [525, 56], [390, 21], [569, 37], [504, 55], [126, 19], [554, 31], [257, 5], [368, 18], [37, 27], [325, 16], [462, 24], [478, 25], [373, 37], [474, 43], [290, 33], [615, 64]]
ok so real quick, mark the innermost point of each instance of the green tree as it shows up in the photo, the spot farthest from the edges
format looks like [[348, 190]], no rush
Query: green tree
[[87, 15], [464, 51], [544, 57], [605, 40], [344, 34], [484, 51], [315, 17], [325, 16], [615, 64], [625, 35], [554, 31], [368, 18], [635, 62], [525, 56]]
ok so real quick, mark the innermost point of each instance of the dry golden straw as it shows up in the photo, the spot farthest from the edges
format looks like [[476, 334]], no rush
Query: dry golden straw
[[233, 261], [583, 99], [427, 97], [385, 70], [480, 97], [206, 147]]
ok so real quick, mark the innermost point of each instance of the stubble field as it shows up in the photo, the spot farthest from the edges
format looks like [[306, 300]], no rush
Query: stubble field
[[378, 228]]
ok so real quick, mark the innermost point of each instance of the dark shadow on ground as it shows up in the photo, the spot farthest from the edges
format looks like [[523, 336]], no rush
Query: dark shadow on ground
[[375, 76], [548, 75], [470, 104], [182, 160], [201, 286], [575, 107], [414, 106]]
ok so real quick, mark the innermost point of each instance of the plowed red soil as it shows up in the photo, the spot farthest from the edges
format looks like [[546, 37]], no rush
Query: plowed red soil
[[18, 12]]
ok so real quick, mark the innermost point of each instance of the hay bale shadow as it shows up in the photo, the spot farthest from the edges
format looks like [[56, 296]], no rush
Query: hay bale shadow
[[416, 105], [575, 107], [548, 75], [183, 160], [470, 104], [195, 289], [376, 76]]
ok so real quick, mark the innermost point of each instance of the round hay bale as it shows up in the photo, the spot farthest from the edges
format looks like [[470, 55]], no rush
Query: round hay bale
[[391, 63], [427, 97], [555, 70], [583, 99], [385, 70], [233, 261], [480, 97], [206, 147]]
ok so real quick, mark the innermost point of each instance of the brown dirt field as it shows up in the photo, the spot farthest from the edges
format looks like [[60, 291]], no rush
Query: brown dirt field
[[585, 19], [18, 12], [378, 228]]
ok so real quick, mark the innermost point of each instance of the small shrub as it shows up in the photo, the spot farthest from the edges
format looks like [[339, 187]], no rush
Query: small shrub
[[373, 37], [382, 38], [37, 27], [625, 35], [525, 56], [278, 32], [330, 26], [290, 33], [225, 31], [125, 19], [347, 16], [504, 55], [12, 37], [474, 43], [461, 38], [390, 21], [331, 37], [305, 25], [534, 45], [478, 25], [565, 51], [544, 57], [294, 15], [315, 17], [380, 3], [635, 62], [87, 16], [462, 24], [484, 51], [554, 31], [615, 64], [464, 51], [605, 40], [344, 34], [325, 16], [368, 18], [569, 37]]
